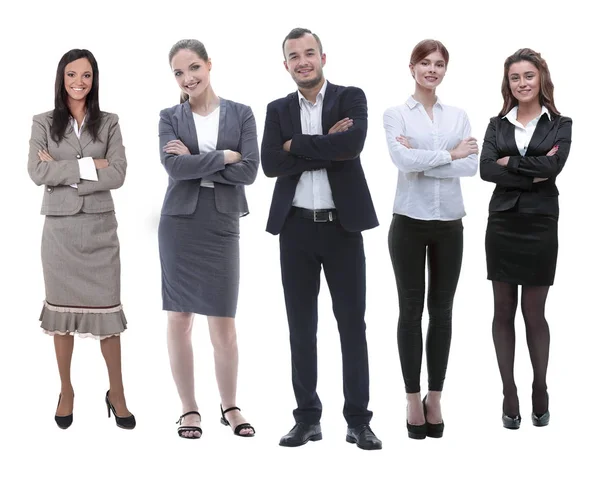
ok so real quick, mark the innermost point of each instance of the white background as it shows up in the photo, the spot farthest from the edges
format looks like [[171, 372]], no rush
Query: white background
[[367, 45]]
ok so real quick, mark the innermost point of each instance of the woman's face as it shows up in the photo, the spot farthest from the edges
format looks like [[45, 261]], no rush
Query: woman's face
[[524, 81], [78, 79], [191, 72], [430, 71]]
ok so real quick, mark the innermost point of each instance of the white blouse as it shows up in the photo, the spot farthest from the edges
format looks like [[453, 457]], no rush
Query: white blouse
[[523, 134], [207, 130], [428, 186]]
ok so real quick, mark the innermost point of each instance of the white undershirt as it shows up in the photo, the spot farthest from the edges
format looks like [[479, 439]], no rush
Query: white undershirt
[[524, 133], [87, 168], [207, 130]]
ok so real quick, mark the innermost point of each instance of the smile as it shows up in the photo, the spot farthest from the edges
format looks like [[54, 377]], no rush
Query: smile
[[192, 86]]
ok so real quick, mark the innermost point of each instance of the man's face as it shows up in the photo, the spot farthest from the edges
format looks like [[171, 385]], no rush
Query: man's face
[[304, 61]]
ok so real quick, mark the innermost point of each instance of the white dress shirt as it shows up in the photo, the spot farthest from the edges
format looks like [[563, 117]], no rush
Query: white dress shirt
[[523, 134], [87, 168], [313, 190], [207, 130], [428, 186]]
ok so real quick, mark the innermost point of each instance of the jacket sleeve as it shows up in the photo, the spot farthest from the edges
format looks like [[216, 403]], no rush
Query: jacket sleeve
[[409, 160], [491, 171], [341, 146], [113, 176], [243, 172], [274, 160], [545, 166], [186, 166], [50, 173], [461, 167]]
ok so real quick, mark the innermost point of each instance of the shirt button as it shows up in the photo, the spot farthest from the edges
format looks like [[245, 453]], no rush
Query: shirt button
[[78, 156]]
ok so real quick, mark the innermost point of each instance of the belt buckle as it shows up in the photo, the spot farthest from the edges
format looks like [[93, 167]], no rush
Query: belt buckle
[[328, 216]]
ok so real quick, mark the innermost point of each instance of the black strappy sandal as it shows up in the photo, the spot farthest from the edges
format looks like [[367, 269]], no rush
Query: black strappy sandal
[[240, 427], [188, 428]]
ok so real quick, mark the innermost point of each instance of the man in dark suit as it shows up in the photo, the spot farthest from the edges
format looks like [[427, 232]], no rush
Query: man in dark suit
[[321, 203]]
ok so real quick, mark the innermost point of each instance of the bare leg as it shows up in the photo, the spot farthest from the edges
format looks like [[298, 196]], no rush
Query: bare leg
[[63, 346], [111, 350], [224, 340], [181, 357]]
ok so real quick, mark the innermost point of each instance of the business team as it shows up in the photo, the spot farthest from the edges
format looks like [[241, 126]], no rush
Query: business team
[[312, 144]]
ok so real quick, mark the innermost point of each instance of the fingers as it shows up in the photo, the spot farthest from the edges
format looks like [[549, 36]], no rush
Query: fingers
[[341, 126], [44, 156], [553, 151]]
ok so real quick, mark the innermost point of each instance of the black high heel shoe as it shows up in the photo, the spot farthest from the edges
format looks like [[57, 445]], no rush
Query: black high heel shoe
[[240, 427], [416, 432], [543, 419], [65, 421], [434, 430], [511, 422], [128, 423]]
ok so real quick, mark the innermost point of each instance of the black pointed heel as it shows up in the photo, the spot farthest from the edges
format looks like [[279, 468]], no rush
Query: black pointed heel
[[64, 421], [434, 430], [543, 419], [128, 423], [188, 428], [240, 427]]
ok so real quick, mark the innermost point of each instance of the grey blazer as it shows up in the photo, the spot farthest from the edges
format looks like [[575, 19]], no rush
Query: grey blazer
[[237, 132], [60, 199]]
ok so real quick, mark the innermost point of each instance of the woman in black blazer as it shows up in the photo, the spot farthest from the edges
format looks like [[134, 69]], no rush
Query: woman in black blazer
[[525, 148]]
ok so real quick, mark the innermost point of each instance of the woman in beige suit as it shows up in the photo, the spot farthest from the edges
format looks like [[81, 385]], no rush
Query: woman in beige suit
[[76, 152]]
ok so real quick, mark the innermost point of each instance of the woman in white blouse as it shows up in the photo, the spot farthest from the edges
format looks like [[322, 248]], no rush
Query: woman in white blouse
[[431, 145]]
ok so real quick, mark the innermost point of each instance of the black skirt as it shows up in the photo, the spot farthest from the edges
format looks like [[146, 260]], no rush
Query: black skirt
[[521, 248]]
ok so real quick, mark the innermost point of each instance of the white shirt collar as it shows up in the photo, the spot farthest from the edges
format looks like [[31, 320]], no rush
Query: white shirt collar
[[512, 114], [320, 94], [412, 103]]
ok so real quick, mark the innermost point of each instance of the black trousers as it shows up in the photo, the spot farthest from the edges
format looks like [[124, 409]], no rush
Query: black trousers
[[305, 246], [411, 242]]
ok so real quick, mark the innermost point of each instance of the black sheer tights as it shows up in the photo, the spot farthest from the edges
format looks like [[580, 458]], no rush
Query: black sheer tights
[[533, 301]]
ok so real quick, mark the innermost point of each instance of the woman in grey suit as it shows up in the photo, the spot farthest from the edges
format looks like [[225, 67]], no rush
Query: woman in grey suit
[[76, 152], [209, 149]]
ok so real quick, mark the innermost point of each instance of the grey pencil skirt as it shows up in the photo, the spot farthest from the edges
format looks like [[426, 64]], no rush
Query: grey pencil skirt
[[82, 276], [200, 260]]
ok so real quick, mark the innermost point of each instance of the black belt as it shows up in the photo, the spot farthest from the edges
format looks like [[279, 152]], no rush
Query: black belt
[[316, 215]]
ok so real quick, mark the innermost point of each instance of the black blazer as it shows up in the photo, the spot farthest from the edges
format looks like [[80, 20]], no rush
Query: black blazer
[[338, 153], [514, 183]]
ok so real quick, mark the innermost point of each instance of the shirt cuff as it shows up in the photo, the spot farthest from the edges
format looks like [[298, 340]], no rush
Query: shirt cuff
[[448, 156], [87, 169], [73, 186]]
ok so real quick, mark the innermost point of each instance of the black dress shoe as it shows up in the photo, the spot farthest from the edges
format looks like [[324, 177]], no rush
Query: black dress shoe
[[364, 437], [512, 423], [64, 421], [434, 430], [543, 419], [301, 434]]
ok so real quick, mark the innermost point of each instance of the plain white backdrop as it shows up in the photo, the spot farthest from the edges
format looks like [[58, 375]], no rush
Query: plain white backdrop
[[368, 44]]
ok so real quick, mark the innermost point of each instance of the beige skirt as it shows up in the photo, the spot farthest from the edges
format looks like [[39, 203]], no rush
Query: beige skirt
[[82, 276]]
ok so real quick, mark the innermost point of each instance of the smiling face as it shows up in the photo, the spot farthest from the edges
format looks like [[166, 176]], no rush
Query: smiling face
[[430, 71], [191, 72], [524, 81], [78, 79], [304, 61]]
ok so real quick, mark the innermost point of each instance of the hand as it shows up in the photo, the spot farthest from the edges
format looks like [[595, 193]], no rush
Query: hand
[[503, 161], [44, 156], [287, 145], [465, 148], [341, 126], [553, 151], [176, 147], [403, 141], [101, 163], [232, 157], [539, 180]]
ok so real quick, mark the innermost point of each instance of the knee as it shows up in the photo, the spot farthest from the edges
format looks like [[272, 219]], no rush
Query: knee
[[411, 308], [180, 322], [224, 340]]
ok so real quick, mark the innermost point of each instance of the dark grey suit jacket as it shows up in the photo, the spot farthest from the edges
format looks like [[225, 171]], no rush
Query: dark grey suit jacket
[[237, 132]]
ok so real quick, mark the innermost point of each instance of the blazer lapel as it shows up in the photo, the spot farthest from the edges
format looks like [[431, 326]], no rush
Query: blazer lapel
[[71, 138], [222, 120], [328, 102], [542, 129], [295, 113], [508, 136], [191, 136], [85, 137]]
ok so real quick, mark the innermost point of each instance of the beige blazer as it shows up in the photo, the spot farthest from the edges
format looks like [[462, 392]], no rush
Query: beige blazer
[[60, 199]]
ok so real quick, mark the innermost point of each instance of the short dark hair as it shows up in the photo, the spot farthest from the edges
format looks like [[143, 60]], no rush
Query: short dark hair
[[299, 33]]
